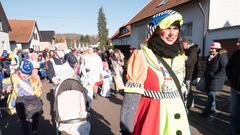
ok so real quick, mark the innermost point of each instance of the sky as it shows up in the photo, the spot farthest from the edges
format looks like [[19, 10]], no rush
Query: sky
[[73, 16]]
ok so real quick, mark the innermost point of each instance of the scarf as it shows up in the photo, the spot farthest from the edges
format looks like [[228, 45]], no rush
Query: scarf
[[162, 49]]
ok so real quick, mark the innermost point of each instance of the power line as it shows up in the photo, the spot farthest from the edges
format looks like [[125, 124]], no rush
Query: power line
[[59, 17], [48, 17]]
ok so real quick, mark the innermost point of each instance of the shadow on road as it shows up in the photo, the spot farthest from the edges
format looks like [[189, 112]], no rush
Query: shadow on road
[[100, 126], [217, 124], [50, 98], [114, 98], [10, 125]]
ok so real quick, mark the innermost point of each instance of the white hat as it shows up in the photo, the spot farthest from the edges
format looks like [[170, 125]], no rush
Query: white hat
[[215, 45]]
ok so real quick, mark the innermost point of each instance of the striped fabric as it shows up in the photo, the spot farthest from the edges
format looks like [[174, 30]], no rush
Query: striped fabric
[[134, 85], [152, 94], [161, 95]]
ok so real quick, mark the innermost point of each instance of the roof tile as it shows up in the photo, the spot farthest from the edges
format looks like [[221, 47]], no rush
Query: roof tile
[[21, 30]]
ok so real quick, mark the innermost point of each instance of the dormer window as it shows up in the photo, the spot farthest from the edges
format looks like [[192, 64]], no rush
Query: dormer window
[[124, 31]]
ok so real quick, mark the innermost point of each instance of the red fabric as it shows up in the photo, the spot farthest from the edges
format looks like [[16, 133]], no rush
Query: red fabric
[[99, 83], [2, 57], [148, 115], [95, 87], [152, 81]]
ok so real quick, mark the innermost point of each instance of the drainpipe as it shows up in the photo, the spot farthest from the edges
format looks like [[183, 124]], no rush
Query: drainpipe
[[204, 25]]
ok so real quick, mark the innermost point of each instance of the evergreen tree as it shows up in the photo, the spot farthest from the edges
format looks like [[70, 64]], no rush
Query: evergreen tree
[[102, 29]]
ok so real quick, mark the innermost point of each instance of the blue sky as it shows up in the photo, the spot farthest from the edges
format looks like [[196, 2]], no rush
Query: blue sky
[[73, 16]]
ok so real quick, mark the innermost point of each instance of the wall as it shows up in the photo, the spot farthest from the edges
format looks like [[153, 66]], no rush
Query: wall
[[138, 33], [44, 45], [223, 34], [35, 43], [192, 14], [4, 42]]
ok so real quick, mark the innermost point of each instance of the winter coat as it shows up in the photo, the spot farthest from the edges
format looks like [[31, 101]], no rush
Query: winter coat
[[215, 74], [191, 62], [233, 72]]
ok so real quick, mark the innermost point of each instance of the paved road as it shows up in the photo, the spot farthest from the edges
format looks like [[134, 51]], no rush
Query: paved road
[[106, 111]]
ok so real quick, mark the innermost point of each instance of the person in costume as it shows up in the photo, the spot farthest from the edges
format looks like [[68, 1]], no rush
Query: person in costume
[[61, 62], [5, 64], [153, 102], [24, 98]]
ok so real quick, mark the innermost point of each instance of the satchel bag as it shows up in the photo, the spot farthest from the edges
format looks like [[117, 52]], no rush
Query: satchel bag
[[201, 84], [30, 105]]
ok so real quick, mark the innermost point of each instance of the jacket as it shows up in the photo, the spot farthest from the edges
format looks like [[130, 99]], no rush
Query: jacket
[[215, 73], [232, 70], [191, 62]]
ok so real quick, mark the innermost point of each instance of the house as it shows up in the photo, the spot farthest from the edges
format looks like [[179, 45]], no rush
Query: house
[[4, 31], [120, 39], [205, 21], [24, 35], [47, 38]]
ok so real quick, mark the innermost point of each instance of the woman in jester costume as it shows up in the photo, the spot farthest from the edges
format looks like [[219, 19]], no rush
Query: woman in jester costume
[[152, 103]]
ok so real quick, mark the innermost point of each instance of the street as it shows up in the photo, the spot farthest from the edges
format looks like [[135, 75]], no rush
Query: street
[[105, 116]]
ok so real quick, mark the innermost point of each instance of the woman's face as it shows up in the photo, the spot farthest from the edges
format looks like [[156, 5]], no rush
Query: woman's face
[[169, 35], [213, 51]]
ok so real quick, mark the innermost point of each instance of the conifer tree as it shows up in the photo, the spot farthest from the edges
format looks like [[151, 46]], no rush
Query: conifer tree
[[102, 29]]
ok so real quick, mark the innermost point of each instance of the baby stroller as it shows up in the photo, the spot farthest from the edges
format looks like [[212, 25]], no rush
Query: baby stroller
[[70, 105]]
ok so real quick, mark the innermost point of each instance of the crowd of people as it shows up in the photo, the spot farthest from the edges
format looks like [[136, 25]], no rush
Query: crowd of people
[[22, 73], [159, 76]]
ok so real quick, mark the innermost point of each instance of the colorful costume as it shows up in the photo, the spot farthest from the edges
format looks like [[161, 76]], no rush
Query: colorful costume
[[163, 108], [25, 97], [152, 103], [19, 89]]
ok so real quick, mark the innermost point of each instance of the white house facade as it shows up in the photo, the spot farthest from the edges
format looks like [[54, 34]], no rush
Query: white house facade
[[4, 41], [24, 35], [35, 40], [205, 21], [4, 31]]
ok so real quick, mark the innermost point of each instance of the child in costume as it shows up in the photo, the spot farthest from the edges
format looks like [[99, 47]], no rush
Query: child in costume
[[24, 97]]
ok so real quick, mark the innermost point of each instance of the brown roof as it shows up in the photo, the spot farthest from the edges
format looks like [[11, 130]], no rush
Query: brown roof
[[47, 35], [21, 30], [153, 7]]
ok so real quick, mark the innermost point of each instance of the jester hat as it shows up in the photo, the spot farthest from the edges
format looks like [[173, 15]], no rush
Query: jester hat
[[163, 20]]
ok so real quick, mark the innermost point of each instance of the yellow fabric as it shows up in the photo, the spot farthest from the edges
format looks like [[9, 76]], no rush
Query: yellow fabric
[[134, 90], [140, 61], [166, 22], [169, 108], [169, 124], [37, 90]]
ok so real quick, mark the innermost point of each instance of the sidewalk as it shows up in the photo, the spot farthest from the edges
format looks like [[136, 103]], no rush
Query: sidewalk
[[213, 125]]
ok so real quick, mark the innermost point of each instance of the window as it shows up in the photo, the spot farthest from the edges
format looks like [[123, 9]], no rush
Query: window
[[35, 36], [124, 30], [186, 30]]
